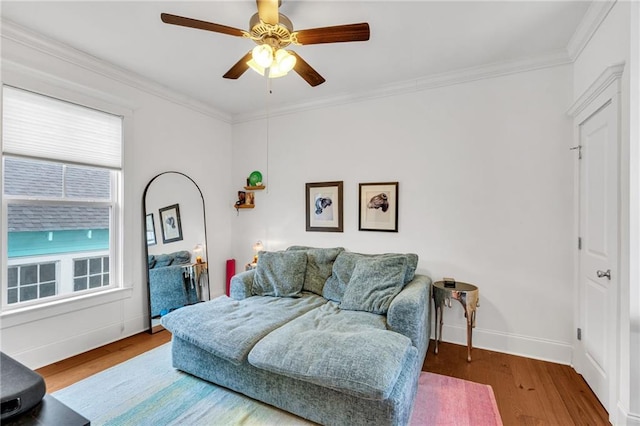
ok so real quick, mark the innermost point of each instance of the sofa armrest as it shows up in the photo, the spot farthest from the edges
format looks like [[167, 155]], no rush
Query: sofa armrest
[[409, 312], [241, 285]]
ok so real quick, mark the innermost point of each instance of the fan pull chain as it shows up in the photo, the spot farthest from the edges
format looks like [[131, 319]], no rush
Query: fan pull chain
[[269, 92]]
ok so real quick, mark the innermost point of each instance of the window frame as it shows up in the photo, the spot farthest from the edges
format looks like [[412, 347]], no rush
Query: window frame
[[115, 203]]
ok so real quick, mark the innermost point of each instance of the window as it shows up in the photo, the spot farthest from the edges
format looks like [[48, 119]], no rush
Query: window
[[61, 184], [90, 273], [29, 282]]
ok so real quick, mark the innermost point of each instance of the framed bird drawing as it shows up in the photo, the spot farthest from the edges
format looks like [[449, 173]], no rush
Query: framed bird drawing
[[324, 206], [378, 207]]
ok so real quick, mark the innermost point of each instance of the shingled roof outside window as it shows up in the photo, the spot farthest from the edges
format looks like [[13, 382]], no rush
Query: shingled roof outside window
[[46, 180]]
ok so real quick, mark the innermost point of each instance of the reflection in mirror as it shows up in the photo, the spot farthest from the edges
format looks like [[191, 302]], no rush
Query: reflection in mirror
[[176, 251]]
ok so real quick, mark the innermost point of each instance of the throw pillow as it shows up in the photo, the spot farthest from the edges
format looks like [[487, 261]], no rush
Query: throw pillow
[[163, 260], [299, 248], [412, 264], [151, 261], [344, 265], [319, 266], [279, 273], [374, 283]]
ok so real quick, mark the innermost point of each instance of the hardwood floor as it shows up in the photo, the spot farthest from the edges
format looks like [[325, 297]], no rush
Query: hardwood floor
[[528, 392], [66, 372]]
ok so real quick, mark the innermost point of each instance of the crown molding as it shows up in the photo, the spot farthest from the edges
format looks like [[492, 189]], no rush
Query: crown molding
[[593, 18], [595, 15], [496, 69], [608, 76], [435, 81], [14, 32], [13, 74]]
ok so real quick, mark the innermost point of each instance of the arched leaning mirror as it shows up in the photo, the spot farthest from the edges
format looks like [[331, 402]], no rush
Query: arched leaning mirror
[[175, 242]]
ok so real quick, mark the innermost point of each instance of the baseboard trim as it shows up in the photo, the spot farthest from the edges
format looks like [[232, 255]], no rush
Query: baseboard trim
[[513, 344], [625, 418], [41, 356]]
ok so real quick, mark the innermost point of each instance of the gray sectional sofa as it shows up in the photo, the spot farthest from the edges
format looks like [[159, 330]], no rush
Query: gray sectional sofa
[[336, 337], [167, 287]]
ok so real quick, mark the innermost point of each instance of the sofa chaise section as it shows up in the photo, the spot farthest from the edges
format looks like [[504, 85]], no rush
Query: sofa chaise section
[[349, 351], [229, 328]]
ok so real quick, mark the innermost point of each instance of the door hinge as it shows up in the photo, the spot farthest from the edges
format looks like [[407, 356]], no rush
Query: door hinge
[[579, 334], [579, 243]]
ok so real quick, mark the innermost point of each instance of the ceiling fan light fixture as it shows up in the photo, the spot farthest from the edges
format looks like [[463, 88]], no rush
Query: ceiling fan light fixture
[[271, 72], [275, 71], [263, 55], [256, 67], [285, 61], [282, 62]]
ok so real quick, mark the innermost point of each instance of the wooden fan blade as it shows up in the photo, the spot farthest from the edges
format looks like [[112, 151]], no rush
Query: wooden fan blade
[[201, 25], [239, 68], [305, 71], [268, 11], [336, 34]]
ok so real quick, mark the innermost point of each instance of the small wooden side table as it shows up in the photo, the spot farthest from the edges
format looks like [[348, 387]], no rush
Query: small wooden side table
[[468, 295]]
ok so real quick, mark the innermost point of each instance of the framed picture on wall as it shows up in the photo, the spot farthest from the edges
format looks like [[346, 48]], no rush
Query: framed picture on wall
[[151, 230], [378, 207], [324, 206], [170, 224]]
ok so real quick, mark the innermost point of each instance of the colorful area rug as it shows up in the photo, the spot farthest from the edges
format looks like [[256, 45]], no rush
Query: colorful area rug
[[146, 390]]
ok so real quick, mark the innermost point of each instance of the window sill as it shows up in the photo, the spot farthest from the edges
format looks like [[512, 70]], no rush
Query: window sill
[[19, 316]]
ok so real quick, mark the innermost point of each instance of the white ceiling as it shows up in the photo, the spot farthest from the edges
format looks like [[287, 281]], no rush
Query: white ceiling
[[410, 40]]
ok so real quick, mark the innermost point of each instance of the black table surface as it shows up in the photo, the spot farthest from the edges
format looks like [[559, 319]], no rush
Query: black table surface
[[50, 412]]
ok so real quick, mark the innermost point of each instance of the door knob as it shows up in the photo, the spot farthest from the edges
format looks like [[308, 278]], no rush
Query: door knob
[[602, 274]]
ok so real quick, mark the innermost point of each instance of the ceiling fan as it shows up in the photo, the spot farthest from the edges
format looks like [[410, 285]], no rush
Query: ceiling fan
[[272, 32]]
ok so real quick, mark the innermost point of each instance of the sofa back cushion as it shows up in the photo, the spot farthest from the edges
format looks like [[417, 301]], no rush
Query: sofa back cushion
[[319, 266], [181, 257], [163, 260], [374, 283], [279, 273], [345, 264]]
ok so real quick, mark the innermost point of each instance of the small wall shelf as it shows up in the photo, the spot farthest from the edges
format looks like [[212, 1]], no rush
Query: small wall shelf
[[242, 199]]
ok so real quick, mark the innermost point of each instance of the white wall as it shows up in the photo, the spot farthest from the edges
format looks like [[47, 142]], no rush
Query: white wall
[[634, 213], [614, 43], [485, 194], [162, 135]]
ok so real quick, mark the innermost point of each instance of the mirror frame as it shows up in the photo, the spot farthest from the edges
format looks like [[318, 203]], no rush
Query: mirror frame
[[157, 328]]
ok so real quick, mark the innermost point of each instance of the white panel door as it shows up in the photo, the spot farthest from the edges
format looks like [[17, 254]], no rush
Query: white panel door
[[598, 225]]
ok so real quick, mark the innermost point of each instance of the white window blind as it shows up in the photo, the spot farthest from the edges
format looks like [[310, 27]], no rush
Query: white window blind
[[42, 127]]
